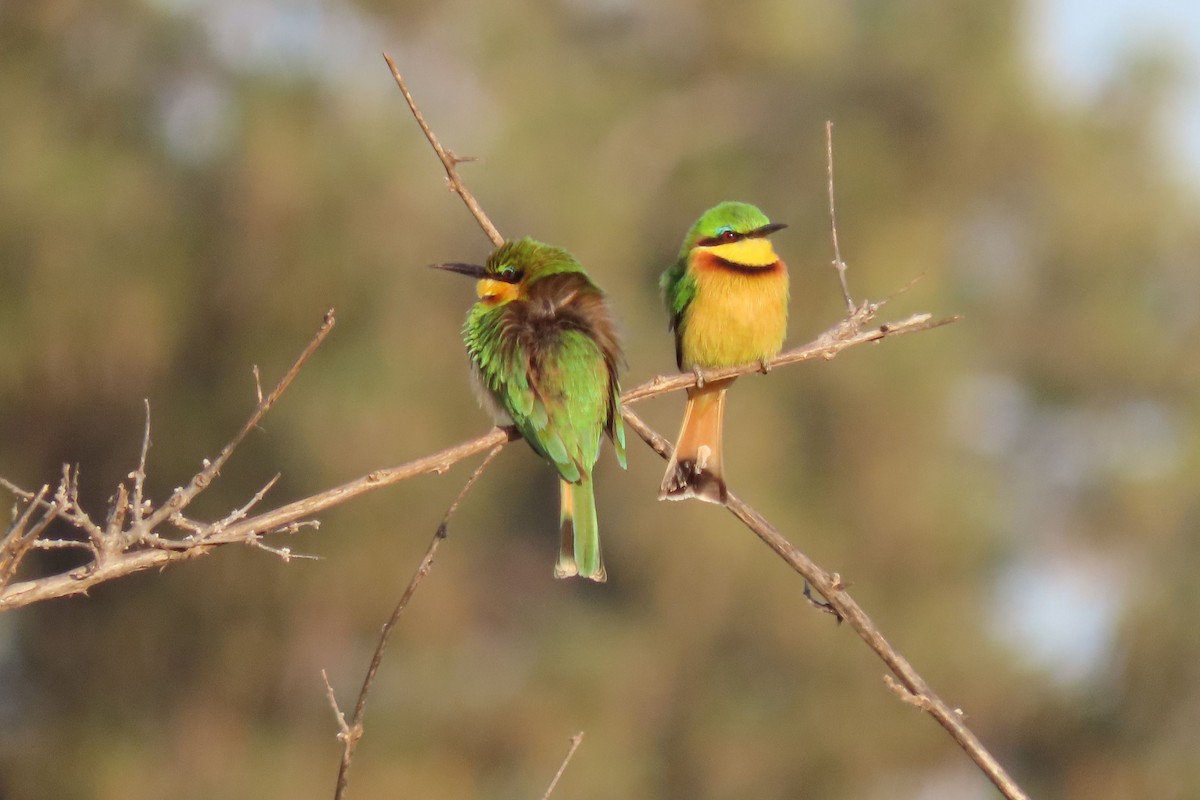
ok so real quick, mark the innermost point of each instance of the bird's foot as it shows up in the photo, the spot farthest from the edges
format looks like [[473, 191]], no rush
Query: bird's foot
[[699, 377], [764, 366], [818, 603]]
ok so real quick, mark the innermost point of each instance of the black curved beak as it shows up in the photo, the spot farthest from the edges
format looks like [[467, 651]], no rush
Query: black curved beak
[[470, 270], [767, 230]]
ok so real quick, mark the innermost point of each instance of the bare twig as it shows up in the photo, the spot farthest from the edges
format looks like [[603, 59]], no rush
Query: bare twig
[[345, 735], [352, 731], [14, 490], [838, 264], [182, 497], [575, 742], [240, 513], [826, 346], [448, 159]]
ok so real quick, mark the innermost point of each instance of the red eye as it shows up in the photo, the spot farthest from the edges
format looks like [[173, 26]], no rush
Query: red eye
[[728, 236]]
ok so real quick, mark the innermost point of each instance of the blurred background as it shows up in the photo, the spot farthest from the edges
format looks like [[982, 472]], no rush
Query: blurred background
[[187, 186]]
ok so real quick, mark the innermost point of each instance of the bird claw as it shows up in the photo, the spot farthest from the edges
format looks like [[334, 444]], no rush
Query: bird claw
[[764, 366], [823, 605], [699, 377]]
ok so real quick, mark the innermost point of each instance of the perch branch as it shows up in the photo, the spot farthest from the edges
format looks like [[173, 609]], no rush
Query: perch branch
[[830, 586]]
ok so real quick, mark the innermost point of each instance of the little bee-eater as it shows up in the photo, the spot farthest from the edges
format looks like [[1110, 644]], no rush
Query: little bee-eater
[[544, 354], [727, 297]]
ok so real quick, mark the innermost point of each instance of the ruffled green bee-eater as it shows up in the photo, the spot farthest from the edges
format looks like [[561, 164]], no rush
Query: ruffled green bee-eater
[[544, 353], [727, 297]]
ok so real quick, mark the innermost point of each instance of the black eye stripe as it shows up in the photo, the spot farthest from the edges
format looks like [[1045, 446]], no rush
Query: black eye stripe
[[728, 237], [506, 274]]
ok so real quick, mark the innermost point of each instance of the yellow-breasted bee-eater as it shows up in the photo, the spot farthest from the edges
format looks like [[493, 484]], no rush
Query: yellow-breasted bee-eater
[[727, 297], [544, 353]]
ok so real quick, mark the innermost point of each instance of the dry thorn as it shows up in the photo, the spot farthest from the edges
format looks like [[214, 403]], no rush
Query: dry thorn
[[294, 527], [16, 491], [240, 513], [575, 742], [345, 734], [194, 528], [139, 475], [257, 385], [285, 553], [116, 515]]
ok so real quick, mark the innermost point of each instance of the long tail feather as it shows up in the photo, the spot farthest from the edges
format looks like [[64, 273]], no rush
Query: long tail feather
[[579, 545], [696, 468]]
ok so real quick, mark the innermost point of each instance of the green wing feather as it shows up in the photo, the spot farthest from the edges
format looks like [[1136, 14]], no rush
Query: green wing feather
[[560, 398], [679, 289]]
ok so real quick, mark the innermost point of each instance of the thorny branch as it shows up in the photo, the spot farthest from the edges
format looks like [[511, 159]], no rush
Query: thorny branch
[[131, 539]]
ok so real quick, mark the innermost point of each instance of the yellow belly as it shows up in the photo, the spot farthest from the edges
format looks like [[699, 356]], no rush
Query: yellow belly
[[734, 318]]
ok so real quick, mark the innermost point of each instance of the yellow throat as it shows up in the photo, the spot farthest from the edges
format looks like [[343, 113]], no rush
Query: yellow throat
[[493, 292], [756, 252]]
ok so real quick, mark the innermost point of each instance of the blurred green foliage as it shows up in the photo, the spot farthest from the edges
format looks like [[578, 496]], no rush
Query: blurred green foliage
[[186, 187]]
